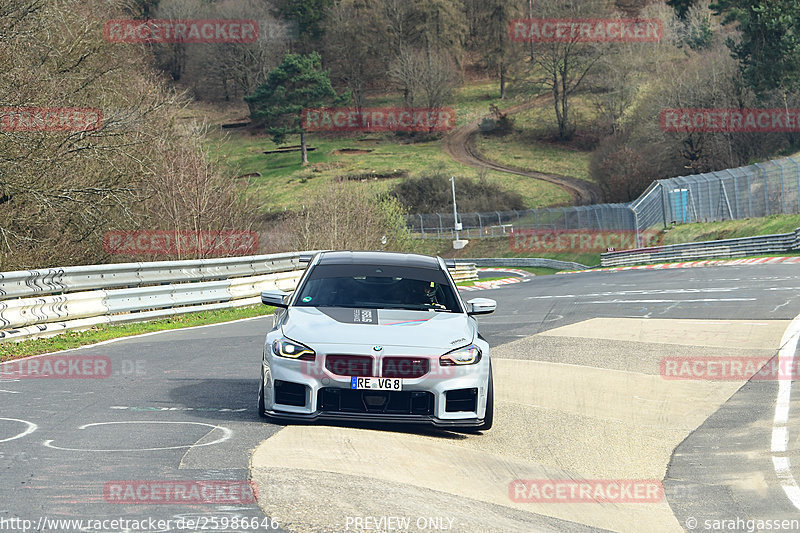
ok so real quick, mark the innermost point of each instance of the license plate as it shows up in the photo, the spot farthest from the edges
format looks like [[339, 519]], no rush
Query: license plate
[[376, 383]]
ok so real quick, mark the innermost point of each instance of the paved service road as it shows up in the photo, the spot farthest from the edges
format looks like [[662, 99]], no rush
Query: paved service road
[[579, 391]]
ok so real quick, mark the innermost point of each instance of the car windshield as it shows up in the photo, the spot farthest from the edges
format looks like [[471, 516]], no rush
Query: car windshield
[[378, 287]]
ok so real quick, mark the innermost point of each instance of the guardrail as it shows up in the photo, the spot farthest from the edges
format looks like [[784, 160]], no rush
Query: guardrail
[[45, 302], [742, 247], [464, 272], [81, 278]]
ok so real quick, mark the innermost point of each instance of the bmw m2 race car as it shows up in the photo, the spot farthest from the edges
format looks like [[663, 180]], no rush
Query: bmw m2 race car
[[377, 336]]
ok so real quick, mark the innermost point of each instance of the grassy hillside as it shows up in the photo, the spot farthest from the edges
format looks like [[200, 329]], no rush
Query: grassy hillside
[[731, 229], [527, 147], [285, 183]]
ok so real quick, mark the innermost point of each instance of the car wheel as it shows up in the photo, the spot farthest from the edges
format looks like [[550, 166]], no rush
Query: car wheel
[[261, 403]]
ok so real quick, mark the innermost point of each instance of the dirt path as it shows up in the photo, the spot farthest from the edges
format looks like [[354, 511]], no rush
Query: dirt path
[[461, 148]]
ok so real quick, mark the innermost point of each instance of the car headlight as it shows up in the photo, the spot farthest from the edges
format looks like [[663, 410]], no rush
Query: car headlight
[[292, 350], [462, 356]]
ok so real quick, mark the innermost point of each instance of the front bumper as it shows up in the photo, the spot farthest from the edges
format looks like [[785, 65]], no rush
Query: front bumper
[[375, 418], [312, 385]]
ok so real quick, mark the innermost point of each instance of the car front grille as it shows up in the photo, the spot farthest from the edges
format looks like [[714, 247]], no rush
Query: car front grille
[[334, 400], [405, 367], [391, 367], [350, 365]]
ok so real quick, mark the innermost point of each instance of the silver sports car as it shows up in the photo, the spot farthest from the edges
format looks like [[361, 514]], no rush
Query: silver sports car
[[375, 336]]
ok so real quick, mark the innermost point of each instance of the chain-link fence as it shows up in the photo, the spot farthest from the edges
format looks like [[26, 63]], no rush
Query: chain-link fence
[[499, 223], [757, 190], [769, 188]]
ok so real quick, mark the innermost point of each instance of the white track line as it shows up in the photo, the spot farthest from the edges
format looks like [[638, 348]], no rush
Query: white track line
[[31, 428], [780, 431]]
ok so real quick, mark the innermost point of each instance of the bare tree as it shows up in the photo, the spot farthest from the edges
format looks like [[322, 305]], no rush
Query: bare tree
[[497, 51], [60, 190], [232, 70], [428, 77], [349, 216], [565, 64], [356, 52]]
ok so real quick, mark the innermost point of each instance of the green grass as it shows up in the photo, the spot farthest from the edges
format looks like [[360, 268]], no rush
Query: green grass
[[473, 282], [731, 229], [538, 271], [517, 151], [495, 247], [528, 147], [284, 182], [472, 101], [74, 339]]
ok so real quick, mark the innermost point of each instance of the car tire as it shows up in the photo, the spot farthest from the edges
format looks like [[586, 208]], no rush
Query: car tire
[[261, 404]]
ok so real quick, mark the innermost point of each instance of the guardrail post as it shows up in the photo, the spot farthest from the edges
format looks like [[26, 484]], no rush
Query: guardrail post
[[735, 192], [780, 177], [797, 178], [766, 188], [663, 202]]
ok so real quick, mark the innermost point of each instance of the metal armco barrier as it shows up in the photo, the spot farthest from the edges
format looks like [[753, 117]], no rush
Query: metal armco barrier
[[464, 272], [46, 302], [80, 278], [743, 247], [50, 301]]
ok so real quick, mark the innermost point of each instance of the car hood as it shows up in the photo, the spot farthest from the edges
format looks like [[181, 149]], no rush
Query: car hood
[[384, 327]]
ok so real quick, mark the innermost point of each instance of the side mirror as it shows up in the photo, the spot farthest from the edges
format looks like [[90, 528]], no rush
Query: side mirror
[[481, 306], [275, 298]]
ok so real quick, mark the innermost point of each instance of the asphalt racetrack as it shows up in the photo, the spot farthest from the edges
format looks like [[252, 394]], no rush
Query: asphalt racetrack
[[582, 395]]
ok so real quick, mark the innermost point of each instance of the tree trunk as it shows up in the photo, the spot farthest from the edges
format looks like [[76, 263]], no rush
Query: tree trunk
[[530, 16], [502, 81], [303, 147]]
